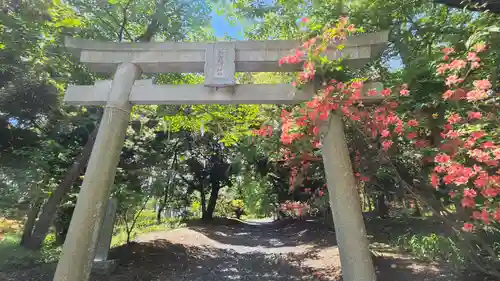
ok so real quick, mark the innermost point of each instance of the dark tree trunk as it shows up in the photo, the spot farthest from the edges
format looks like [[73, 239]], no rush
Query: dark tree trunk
[[158, 214], [203, 203], [50, 207], [62, 221], [239, 213], [163, 204], [212, 202], [382, 209], [30, 221], [424, 191], [417, 212], [329, 218]]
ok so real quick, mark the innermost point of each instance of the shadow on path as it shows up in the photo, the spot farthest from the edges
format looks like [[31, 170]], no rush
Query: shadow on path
[[164, 261], [269, 234]]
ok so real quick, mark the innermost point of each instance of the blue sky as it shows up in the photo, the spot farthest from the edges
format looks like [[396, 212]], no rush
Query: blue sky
[[222, 26]]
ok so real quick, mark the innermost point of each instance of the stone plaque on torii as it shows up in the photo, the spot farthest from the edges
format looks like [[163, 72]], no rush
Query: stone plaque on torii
[[219, 62]]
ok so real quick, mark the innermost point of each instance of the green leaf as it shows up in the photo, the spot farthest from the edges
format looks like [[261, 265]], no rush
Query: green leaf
[[70, 22], [493, 29]]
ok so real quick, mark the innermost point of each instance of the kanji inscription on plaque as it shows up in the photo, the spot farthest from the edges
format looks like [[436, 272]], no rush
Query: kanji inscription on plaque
[[220, 57], [219, 64]]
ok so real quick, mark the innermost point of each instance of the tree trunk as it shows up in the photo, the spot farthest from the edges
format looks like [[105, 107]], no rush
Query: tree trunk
[[30, 221], [212, 202], [158, 214], [382, 209], [163, 203], [423, 190], [50, 207], [417, 212], [203, 203], [62, 221]]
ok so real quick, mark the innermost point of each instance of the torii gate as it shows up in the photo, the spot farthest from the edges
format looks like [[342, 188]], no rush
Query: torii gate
[[219, 61]]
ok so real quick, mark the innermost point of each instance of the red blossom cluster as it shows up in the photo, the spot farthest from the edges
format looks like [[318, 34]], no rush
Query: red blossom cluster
[[295, 208], [266, 131], [478, 175], [466, 160], [454, 80], [346, 98]]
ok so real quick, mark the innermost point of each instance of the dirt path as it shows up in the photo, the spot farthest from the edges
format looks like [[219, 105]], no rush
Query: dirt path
[[251, 251], [273, 252], [262, 251]]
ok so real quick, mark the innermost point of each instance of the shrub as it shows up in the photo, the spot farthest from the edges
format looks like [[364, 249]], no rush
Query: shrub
[[146, 222], [227, 208], [15, 257], [431, 247], [146, 218], [295, 209]]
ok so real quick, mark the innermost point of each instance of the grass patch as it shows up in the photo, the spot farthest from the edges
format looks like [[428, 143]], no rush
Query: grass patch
[[146, 222], [15, 257], [424, 238], [431, 247], [120, 235]]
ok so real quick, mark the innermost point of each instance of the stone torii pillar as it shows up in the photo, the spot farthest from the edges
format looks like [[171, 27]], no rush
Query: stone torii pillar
[[75, 262], [219, 61], [350, 231]]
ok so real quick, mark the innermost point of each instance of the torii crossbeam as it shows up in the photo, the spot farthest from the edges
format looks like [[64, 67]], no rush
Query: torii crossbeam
[[218, 61]]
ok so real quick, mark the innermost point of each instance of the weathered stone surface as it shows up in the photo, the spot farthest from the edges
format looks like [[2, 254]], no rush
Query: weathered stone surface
[[104, 267], [220, 64], [145, 92], [355, 255], [104, 242], [250, 56], [78, 251]]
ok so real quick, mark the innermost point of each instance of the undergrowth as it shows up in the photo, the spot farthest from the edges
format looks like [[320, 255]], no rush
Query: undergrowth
[[431, 247], [15, 257], [146, 222]]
